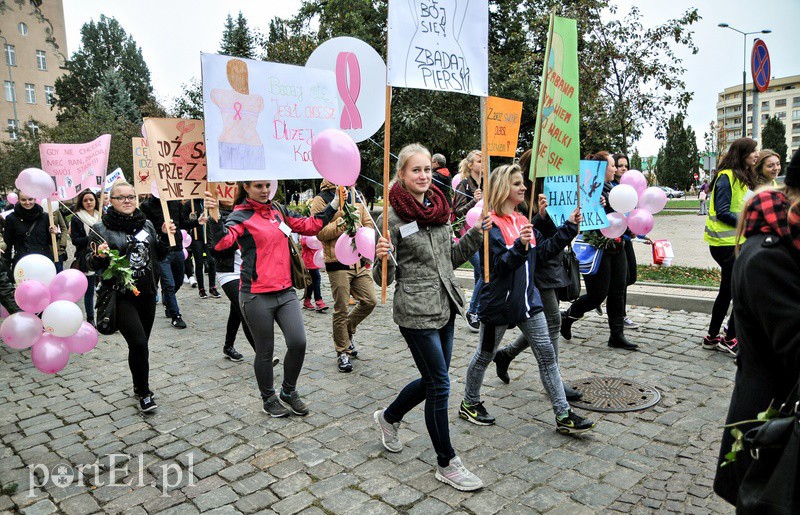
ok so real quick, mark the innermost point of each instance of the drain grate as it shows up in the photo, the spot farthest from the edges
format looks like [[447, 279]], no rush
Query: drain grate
[[614, 395]]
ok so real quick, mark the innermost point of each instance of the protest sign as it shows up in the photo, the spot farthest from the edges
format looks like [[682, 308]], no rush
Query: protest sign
[[556, 137], [142, 166], [441, 45], [75, 167], [360, 80], [502, 126], [258, 112], [562, 195], [177, 152], [225, 191], [111, 179]]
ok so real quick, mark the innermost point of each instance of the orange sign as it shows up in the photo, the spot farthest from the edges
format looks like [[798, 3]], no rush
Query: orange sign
[[502, 126]]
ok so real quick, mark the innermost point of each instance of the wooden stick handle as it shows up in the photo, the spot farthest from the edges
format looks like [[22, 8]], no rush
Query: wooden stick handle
[[167, 220], [485, 187], [387, 130], [53, 241]]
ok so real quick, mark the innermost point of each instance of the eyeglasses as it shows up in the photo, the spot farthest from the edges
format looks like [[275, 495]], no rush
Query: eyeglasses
[[126, 198]]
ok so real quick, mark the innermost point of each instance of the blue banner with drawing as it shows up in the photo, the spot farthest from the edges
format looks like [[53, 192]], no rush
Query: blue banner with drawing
[[562, 197]]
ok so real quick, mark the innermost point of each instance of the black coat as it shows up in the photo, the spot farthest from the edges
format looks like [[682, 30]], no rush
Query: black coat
[[766, 305], [152, 210], [23, 238], [223, 259], [7, 290], [80, 239], [550, 273], [188, 223]]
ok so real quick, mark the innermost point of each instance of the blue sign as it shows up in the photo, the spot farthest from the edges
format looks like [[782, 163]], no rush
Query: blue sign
[[760, 66], [562, 195]]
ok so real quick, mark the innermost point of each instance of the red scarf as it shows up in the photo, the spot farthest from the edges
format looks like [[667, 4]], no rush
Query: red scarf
[[768, 213], [408, 209]]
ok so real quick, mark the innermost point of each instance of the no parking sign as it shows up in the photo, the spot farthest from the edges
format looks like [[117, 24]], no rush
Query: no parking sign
[[760, 66]]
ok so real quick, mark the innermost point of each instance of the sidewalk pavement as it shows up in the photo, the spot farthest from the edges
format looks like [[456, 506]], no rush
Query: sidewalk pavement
[[210, 448]]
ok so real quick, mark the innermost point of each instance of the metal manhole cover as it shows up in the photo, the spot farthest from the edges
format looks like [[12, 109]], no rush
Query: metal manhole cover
[[614, 395]]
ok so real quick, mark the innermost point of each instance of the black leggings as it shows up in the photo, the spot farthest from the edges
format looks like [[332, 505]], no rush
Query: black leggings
[[630, 256], [607, 284], [725, 257], [135, 320], [196, 250], [231, 290]]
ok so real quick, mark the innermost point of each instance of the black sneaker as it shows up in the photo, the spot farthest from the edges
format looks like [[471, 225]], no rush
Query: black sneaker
[[147, 403], [473, 322], [292, 401], [502, 361], [343, 361], [178, 323], [214, 293], [573, 424], [571, 393], [475, 413], [352, 349], [232, 354], [274, 408], [203, 294]]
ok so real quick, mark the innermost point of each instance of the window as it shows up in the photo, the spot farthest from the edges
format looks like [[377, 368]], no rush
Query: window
[[780, 115], [11, 94], [49, 95], [764, 117], [780, 102], [22, 28], [30, 93], [33, 128], [795, 140], [11, 55], [12, 128], [765, 105], [796, 102], [749, 108], [41, 60], [796, 114], [749, 119]]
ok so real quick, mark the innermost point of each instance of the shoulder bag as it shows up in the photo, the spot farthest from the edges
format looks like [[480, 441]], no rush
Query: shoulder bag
[[588, 256], [571, 291], [106, 309], [301, 279]]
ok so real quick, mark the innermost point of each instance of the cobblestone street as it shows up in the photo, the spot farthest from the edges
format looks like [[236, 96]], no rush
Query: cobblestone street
[[209, 447]]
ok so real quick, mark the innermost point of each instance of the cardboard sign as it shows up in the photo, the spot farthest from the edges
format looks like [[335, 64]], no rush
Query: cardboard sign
[[111, 179], [143, 172], [178, 153], [502, 126], [262, 117], [557, 122], [441, 45], [226, 191], [360, 83], [561, 193], [76, 167]]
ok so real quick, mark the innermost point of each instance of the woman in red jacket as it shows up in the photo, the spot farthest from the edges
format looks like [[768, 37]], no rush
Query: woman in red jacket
[[261, 227]]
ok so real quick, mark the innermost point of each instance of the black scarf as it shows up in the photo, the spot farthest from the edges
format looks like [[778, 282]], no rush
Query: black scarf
[[28, 215], [129, 224]]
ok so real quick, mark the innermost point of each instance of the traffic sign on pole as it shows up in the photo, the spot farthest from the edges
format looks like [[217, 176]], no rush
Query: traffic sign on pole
[[760, 66]]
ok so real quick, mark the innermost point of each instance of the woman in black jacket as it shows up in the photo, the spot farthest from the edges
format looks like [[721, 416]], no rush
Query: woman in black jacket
[[126, 229], [87, 214], [27, 231], [766, 301]]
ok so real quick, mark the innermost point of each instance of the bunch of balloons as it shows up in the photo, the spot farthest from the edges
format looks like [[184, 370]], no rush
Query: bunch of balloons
[[61, 329], [349, 249], [634, 205]]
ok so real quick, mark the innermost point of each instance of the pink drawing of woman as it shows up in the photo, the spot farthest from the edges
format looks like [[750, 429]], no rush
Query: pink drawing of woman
[[240, 148]]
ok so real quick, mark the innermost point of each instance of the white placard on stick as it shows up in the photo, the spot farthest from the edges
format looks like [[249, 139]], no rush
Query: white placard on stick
[[360, 81], [261, 117], [441, 45]]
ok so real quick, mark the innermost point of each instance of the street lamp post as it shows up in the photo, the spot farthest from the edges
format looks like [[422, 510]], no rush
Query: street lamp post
[[11, 81], [744, 72]]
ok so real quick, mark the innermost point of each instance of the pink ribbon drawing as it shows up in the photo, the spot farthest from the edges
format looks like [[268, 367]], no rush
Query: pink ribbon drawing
[[237, 106], [347, 64]]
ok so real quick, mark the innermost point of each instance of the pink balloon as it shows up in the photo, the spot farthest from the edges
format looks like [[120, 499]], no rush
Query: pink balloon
[[68, 285], [83, 341], [344, 250], [365, 242], [154, 189], [21, 330], [12, 198], [185, 254], [144, 133], [456, 180], [640, 222], [653, 200], [273, 188], [35, 183], [336, 157], [474, 215], [3, 312], [313, 243], [33, 296], [49, 354], [617, 225], [319, 258], [634, 179]]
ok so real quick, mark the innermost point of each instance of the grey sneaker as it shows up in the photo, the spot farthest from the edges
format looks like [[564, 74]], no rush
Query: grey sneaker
[[457, 476], [274, 408], [292, 401], [629, 324], [389, 436], [599, 310]]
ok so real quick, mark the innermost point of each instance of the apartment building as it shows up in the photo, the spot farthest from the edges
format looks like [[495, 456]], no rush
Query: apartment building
[[34, 42]]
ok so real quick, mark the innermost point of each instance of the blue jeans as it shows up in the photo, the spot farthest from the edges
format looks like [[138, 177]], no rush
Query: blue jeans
[[315, 286], [431, 349], [477, 272], [171, 281], [88, 298]]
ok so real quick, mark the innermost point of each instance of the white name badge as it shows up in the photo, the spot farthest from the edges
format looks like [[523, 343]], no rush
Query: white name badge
[[285, 228], [141, 235], [409, 229]]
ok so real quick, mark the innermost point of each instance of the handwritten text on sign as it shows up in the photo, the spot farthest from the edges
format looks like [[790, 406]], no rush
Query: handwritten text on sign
[[440, 45], [260, 113], [142, 166], [562, 195], [502, 126], [177, 150], [76, 167]]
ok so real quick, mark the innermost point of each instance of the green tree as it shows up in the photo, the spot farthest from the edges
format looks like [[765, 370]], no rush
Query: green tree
[[114, 96], [678, 159], [237, 40], [636, 160], [104, 46], [19, 154], [773, 136], [190, 103]]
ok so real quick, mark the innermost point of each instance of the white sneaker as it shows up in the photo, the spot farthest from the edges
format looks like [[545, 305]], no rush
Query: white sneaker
[[193, 282], [629, 324], [457, 476], [389, 436]]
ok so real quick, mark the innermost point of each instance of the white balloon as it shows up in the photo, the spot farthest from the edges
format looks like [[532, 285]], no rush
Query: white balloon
[[35, 267], [62, 318], [623, 198]]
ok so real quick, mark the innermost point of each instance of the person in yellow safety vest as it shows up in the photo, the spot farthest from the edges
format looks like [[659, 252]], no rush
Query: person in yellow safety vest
[[768, 167], [736, 177]]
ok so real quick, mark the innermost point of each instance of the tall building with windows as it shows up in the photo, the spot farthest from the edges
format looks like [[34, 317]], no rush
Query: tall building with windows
[[782, 100], [34, 43]]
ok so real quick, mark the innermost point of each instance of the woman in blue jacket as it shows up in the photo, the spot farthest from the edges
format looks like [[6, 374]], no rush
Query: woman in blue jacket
[[511, 299]]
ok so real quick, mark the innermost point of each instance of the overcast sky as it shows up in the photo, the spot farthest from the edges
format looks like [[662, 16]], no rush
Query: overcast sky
[[173, 33]]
